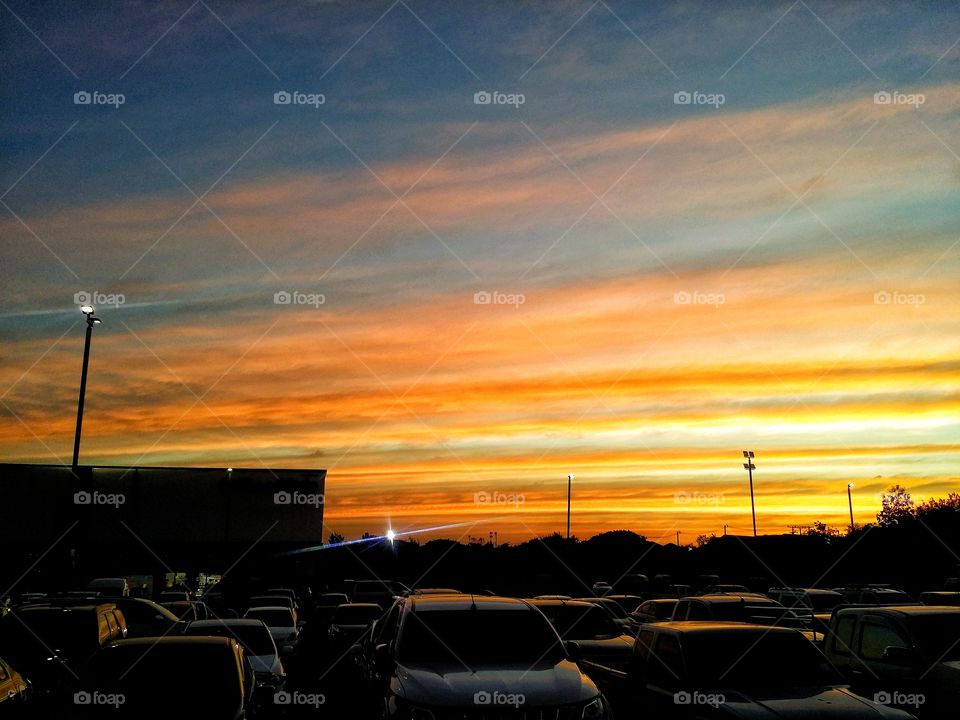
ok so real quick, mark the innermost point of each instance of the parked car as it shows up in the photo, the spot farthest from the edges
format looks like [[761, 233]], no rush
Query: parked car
[[259, 649], [50, 642], [818, 603], [659, 610], [381, 592], [874, 595], [619, 615], [629, 603], [434, 591], [349, 621], [601, 588], [279, 620], [271, 600], [146, 618], [598, 637], [161, 678], [188, 610], [731, 670], [440, 656], [900, 652], [940, 597], [109, 587], [15, 691], [719, 588], [174, 596]]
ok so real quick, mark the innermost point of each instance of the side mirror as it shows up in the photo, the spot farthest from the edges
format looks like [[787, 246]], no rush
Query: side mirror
[[899, 655], [382, 652], [573, 650]]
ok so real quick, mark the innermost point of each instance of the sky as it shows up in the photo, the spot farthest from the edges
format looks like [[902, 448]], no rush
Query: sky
[[454, 252]]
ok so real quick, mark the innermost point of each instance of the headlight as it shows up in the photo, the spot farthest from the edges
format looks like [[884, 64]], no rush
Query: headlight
[[594, 710]]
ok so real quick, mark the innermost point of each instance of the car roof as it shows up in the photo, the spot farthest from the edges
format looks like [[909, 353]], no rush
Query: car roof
[[901, 610], [706, 627], [550, 602], [236, 622], [285, 608], [420, 603], [65, 607], [172, 640], [733, 598]]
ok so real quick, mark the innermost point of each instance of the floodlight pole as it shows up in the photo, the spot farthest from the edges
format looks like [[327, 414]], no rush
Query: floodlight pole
[[850, 503], [569, 489], [91, 321], [750, 467]]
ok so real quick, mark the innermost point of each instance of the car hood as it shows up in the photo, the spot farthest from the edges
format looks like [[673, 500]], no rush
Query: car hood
[[455, 686], [827, 703]]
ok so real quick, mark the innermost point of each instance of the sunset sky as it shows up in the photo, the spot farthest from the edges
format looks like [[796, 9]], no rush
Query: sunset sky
[[771, 266]]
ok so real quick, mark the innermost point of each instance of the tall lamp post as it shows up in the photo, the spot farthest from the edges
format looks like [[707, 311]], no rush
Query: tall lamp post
[[92, 320], [850, 503], [750, 467], [569, 489]]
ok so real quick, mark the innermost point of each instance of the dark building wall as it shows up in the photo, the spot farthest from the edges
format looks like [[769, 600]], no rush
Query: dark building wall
[[128, 517]]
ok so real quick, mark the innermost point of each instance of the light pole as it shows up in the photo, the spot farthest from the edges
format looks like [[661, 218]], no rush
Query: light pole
[[850, 503], [92, 320], [750, 467], [569, 489]]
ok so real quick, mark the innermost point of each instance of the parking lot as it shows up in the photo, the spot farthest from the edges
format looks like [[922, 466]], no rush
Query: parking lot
[[379, 649]]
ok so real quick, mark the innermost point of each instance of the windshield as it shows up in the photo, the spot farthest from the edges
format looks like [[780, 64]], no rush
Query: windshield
[[769, 660], [757, 612], [255, 639], [936, 635], [271, 618], [580, 622], [478, 637], [613, 608], [353, 615]]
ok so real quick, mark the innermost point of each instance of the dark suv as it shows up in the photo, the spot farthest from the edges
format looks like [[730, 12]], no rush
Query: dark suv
[[466, 656]]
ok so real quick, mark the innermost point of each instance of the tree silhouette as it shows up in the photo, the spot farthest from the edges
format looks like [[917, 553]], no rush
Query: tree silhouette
[[897, 509]]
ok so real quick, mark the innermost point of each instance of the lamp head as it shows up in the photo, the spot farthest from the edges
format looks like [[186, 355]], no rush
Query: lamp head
[[87, 309]]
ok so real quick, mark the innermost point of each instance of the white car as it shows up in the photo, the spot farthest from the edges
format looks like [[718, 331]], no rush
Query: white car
[[260, 650], [280, 621]]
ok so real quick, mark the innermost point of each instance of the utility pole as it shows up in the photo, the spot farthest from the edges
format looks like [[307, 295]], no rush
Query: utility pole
[[569, 490]]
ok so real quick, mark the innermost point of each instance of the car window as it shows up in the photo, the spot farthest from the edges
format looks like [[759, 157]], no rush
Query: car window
[[665, 663], [680, 611], [272, 618], [3, 672], [641, 648], [875, 637], [112, 624], [387, 630], [698, 611], [843, 636]]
